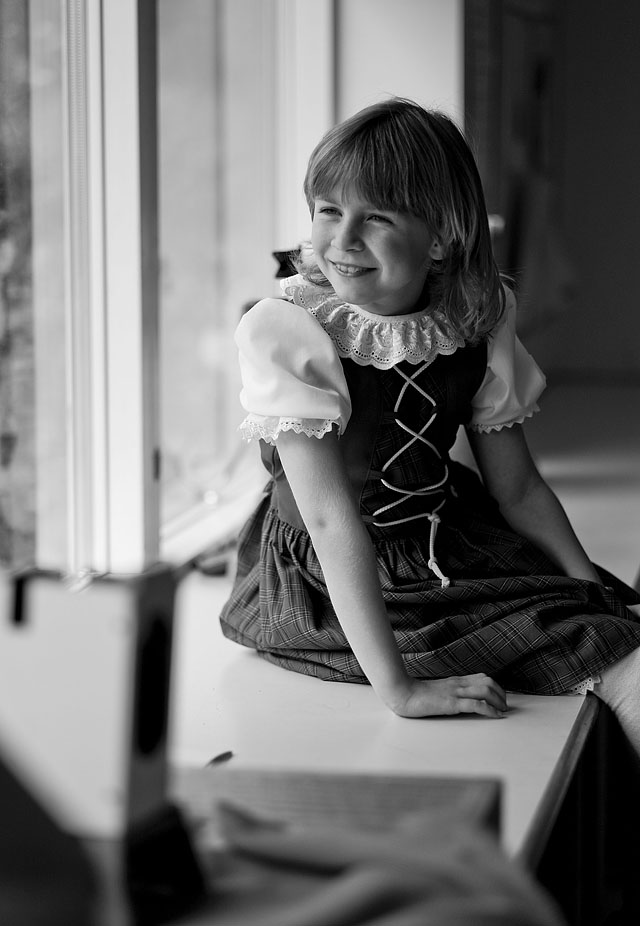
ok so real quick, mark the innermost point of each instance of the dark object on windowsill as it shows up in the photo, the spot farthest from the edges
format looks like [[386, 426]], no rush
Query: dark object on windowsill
[[286, 261]]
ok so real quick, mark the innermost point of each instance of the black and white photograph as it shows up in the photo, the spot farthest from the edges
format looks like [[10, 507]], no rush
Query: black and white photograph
[[319, 462]]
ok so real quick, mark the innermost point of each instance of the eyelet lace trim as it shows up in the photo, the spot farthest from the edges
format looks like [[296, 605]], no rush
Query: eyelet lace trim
[[583, 687], [374, 340], [258, 427]]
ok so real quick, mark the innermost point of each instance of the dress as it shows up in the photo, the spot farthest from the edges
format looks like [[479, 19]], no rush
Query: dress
[[463, 591]]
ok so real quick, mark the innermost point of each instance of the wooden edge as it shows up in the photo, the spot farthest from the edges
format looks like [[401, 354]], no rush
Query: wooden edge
[[554, 794]]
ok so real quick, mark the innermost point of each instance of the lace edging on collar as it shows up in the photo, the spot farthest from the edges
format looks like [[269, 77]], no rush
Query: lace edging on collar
[[376, 340]]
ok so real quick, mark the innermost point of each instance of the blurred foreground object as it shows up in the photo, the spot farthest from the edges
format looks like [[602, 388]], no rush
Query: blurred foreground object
[[84, 691], [85, 673], [432, 869], [46, 878]]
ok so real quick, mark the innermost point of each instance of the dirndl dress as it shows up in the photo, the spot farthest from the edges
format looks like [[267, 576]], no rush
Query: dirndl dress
[[463, 591]]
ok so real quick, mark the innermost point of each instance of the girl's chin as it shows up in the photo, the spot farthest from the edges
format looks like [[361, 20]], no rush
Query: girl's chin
[[351, 285], [352, 294]]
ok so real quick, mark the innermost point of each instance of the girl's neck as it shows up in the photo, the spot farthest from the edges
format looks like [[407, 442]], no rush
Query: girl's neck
[[421, 304]]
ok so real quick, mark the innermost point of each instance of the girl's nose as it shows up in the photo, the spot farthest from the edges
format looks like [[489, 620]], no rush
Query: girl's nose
[[346, 235]]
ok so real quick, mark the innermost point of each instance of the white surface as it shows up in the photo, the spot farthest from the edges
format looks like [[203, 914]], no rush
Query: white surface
[[66, 696], [411, 48], [225, 697]]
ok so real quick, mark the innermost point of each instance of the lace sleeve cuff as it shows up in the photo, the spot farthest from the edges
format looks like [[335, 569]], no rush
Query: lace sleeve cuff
[[513, 382], [260, 427]]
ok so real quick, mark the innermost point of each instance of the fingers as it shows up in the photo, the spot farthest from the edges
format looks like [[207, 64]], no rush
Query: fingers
[[468, 694], [478, 706], [481, 687]]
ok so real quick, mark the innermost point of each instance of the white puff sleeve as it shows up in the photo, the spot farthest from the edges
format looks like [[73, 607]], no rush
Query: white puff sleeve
[[292, 378], [513, 382]]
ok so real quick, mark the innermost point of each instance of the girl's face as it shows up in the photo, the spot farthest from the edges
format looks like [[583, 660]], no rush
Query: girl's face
[[376, 259]]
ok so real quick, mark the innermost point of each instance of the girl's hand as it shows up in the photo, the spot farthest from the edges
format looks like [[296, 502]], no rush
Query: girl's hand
[[466, 694]]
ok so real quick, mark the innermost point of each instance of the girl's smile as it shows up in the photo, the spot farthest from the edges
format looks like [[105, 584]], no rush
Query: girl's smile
[[350, 270], [376, 259]]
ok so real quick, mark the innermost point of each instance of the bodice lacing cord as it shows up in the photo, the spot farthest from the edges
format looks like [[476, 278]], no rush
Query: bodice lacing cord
[[434, 518], [445, 582]]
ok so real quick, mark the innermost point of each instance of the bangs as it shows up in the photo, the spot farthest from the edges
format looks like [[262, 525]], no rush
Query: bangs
[[371, 165]]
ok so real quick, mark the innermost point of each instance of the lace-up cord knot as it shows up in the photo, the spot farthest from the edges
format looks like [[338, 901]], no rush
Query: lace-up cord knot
[[432, 516], [445, 582]]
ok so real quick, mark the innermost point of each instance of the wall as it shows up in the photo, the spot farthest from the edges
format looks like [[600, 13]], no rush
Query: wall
[[601, 195], [415, 48], [407, 48]]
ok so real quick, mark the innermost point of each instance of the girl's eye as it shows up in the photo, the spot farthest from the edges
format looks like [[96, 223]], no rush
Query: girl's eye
[[328, 210], [381, 218]]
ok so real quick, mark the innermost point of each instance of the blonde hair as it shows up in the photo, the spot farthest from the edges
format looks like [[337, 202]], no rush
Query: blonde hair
[[404, 158]]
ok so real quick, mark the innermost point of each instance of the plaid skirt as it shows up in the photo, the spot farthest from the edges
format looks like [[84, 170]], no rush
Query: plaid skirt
[[507, 612]]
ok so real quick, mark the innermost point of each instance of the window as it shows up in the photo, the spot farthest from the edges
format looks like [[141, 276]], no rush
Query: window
[[217, 104], [148, 151], [237, 101], [76, 490]]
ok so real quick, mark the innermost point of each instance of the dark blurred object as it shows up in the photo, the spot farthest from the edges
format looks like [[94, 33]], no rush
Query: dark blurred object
[[286, 262], [514, 88], [163, 876], [46, 878]]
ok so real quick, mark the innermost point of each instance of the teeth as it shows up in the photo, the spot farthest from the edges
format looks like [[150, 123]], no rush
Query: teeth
[[348, 270]]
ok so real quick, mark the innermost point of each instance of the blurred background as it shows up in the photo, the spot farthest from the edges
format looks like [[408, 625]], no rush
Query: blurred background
[[151, 163]]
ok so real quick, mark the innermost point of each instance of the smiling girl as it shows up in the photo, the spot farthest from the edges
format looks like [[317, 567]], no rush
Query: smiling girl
[[373, 557]]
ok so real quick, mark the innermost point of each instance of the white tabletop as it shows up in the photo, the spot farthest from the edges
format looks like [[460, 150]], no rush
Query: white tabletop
[[225, 697]]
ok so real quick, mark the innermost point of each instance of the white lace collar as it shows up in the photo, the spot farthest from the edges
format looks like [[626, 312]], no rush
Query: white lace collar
[[377, 340]]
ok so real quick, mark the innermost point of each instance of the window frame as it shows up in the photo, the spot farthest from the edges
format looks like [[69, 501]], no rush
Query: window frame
[[112, 268], [110, 289]]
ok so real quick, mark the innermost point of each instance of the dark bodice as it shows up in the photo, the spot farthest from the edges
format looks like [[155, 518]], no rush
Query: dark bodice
[[396, 445]]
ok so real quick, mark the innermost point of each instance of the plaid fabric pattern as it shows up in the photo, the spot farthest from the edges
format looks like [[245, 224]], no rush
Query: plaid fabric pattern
[[507, 611], [540, 633]]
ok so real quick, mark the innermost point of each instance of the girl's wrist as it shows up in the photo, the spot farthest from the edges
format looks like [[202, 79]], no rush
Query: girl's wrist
[[395, 692]]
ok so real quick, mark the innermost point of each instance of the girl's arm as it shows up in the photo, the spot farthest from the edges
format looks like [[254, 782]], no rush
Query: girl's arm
[[526, 501], [319, 482]]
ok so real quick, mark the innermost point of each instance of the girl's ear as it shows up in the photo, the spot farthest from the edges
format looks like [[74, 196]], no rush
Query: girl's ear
[[436, 251]]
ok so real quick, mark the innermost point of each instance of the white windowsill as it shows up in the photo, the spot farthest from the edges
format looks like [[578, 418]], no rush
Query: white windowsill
[[210, 527]]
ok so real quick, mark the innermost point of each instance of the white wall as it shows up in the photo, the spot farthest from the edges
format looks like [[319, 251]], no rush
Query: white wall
[[409, 48]]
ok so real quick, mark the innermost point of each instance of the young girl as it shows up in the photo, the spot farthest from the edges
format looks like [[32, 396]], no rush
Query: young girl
[[373, 556]]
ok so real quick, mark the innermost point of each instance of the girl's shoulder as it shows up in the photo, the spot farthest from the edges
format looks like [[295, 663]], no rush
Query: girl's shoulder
[[268, 312], [276, 325], [373, 340]]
